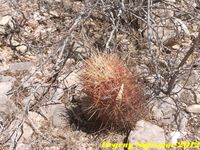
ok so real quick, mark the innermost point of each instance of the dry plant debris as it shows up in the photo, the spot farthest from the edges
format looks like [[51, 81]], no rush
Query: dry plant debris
[[44, 45]]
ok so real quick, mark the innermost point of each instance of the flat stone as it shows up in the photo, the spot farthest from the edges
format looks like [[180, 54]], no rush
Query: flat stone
[[57, 95], [193, 108], [169, 35], [193, 78], [175, 136], [198, 97], [146, 132], [6, 105], [72, 79], [187, 96], [182, 27], [40, 30], [22, 146], [3, 101], [32, 23], [4, 20], [68, 4], [2, 30], [171, 1], [5, 87], [36, 119], [164, 111], [27, 132], [52, 148], [37, 16], [54, 13], [176, 46], [7, 79], [183, 121], [59, 118], [3, 68], [22, 48], [21, 66]]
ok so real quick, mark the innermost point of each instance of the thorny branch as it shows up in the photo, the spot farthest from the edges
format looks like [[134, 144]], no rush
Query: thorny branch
[[173, 79], [129, 27]]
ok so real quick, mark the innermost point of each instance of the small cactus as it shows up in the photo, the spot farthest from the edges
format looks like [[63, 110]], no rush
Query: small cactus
[[115, 97]]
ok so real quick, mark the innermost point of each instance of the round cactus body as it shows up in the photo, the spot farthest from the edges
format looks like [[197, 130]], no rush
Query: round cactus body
[[115, 97]]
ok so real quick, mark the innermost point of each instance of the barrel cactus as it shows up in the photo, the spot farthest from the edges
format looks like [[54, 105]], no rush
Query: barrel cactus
[[116, 98]]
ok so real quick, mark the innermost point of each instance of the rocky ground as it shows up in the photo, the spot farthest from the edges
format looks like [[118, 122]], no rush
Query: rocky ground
[[43, 45]]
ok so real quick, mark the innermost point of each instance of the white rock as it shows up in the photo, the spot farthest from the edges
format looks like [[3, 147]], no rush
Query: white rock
[[169, 29], [59, 118], [5, 87], [54, 13], [193, 108], [27, 132], [40, 30], [21, 48], [164, 111], [22, 146], [72, 79], [27, 101], [2, 30], [70, 63], [176, 135], [181, 26], [4, 68], [176, 47], [193, 79], [7, 78], [36, 119], [147, 132], [68, 4], [21, 66], [186, 96], [171, 1], [32, 23], [6, 105], [4, 20], [183, 121], [4, 100], [14, 42], [198, 97], [177, 88], [52, 148], [37, 16], [57, 95], [49, 111]]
